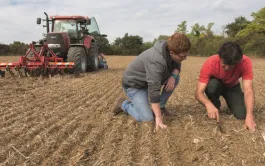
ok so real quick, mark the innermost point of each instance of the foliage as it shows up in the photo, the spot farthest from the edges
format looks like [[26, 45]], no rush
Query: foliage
[[257, 26], [160, 37], [16, 48], [4, 49], [182, 28], [238, 25]]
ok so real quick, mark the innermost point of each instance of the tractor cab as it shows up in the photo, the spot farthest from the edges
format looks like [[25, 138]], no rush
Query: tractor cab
[[74, 26]]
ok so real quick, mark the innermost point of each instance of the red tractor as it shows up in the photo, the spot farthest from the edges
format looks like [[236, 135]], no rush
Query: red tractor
[[73, 39], [70, 44]]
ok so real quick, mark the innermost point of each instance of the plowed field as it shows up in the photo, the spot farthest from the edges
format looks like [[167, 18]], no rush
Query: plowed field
[[68, 121]]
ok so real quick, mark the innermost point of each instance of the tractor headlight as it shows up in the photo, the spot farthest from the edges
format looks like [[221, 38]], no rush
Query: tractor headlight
[[54, 45]]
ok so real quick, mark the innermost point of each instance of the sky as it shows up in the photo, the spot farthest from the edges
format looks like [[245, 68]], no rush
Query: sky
[[146, 18]]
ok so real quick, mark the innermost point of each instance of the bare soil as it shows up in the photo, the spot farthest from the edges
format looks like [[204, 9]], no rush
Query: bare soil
[[68, 121]]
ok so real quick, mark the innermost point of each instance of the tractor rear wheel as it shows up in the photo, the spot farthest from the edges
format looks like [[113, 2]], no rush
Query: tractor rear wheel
[[93, 57], [78, 56]]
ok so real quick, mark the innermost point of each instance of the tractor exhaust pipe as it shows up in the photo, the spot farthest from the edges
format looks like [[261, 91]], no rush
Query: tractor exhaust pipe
[[47, 22]]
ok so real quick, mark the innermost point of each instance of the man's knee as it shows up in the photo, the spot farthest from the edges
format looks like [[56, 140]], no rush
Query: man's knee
[[213, 87], [239, 110], [239, 114], [237, 107], [147, 118]]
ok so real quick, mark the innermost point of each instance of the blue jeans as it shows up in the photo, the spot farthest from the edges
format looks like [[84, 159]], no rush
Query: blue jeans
[[139, 106]]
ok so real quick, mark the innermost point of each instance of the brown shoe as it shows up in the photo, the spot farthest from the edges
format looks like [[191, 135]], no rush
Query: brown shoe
[[118, 108], [165, 112]]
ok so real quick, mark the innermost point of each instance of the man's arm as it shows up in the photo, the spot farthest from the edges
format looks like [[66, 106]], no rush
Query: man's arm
[[171, 80], [158, 116], [249, 102], [154, 74], [247, 81], [199, 95], [175, 71]]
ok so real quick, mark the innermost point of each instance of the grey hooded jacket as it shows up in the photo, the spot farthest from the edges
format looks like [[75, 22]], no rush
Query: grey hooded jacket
[[150, 70]]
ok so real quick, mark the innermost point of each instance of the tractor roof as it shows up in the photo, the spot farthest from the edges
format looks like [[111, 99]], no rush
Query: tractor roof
[[69, 17]]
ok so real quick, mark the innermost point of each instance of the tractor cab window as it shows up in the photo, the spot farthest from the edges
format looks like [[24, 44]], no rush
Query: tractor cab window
[[64, 26], [93, 27]]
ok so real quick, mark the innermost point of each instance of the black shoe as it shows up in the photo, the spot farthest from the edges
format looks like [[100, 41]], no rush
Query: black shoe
[[165, 112], [118, 108], [2, 73]]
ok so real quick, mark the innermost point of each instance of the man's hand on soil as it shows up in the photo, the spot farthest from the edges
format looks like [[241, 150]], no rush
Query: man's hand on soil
[[159, 123], [250, 123], [212, 111]]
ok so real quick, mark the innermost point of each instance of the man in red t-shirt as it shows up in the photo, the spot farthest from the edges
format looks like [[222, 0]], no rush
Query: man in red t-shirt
[[219, 76]]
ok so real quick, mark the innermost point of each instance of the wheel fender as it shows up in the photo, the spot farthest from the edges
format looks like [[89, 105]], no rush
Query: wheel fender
[[80, 45], [87, 41]]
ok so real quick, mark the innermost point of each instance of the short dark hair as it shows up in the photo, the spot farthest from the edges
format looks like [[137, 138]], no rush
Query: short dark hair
[[230, 53]]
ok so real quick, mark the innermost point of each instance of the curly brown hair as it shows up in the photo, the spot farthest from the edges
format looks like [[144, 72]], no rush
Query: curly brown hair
[[178, 43]]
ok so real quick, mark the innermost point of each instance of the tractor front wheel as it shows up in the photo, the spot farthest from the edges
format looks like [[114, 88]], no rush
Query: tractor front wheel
[[93, 57], [78, 56]]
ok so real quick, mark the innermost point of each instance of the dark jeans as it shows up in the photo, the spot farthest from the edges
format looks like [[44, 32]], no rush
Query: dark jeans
[[234, 97]]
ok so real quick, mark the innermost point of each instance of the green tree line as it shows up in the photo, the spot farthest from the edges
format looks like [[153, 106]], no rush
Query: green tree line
[[249, 34], [16, 48]]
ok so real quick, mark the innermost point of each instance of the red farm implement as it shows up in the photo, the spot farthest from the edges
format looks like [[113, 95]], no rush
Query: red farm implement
[[37, 62]]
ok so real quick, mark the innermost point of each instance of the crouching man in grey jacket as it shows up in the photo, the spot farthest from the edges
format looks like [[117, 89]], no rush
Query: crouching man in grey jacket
[[144, 77]]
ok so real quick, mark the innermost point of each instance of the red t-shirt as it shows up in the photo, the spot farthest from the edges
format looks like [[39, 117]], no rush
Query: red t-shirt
[[212, 67]]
